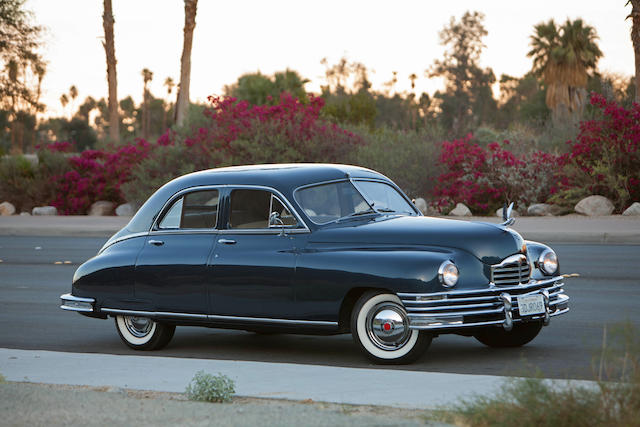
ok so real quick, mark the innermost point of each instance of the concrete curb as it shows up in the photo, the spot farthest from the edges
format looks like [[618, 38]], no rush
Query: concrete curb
[[356, 386]]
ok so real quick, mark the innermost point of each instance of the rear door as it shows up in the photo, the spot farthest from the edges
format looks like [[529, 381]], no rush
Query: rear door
[[171, 269]]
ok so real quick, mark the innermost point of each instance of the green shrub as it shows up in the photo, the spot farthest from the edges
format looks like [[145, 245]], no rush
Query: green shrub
[[26, 184], [2, 379], [163, 164], [210, 388], [409, 158]]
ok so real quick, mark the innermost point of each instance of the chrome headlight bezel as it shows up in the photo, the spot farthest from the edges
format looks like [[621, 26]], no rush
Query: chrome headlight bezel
[[548, 262], [448, 274]]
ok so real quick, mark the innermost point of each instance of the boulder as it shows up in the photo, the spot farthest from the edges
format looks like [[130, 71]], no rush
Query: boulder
[[101, 208], [25, 214], [542, 209], [634, 209], [514, 213], [7, 209], [125, 209], [421, 204], [460, 210], [44, 210], [594, 206]]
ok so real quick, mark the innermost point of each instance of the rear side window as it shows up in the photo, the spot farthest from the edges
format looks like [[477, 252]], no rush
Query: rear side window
[[195, 210]]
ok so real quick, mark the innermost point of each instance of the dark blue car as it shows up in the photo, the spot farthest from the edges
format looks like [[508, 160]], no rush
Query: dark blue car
[[318, 249]]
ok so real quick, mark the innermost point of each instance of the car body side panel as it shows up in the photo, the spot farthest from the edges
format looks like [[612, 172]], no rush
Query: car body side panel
[[109, 277], [325, 273]]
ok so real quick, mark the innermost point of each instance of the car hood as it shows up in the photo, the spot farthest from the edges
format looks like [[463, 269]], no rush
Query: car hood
[[490, 243]]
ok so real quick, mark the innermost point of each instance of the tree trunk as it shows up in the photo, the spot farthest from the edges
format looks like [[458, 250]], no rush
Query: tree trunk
[[635, 38], [112, 79], [182, 104]]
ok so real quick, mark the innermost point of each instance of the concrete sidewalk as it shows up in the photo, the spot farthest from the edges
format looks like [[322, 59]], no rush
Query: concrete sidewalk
[[567, 229], [357, 386]]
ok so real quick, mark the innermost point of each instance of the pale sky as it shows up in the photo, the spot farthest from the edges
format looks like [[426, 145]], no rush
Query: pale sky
[[236, 37]]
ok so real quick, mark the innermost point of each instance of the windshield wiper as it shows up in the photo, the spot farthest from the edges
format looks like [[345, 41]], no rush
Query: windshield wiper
[[364, 212]]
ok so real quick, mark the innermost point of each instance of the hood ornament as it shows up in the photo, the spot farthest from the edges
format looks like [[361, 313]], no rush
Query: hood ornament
[[506, 215]]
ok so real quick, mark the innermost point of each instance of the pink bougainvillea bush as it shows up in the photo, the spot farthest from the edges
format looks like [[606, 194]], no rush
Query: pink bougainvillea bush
[[97, 175], [605, 157], [485, 178], [290, 131]]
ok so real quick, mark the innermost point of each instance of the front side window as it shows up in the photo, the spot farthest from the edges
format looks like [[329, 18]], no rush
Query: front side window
[[258, 209], [198, 209]]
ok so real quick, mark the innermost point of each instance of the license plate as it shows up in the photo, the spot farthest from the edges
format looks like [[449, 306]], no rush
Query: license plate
[[531, 304]]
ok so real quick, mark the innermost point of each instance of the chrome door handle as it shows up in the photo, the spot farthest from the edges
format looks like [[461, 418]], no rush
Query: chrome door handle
[[227, 241], [156, 242]]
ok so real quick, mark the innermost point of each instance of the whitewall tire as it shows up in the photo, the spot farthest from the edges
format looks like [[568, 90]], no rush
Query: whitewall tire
[[141, 333], [380, 327]]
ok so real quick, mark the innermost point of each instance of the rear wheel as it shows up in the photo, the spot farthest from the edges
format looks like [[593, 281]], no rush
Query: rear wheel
[[521, 334], [142, 333], [380, 327]]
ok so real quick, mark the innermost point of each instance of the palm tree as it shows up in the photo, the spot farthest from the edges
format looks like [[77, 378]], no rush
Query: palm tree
[[413, 77], [635, 39], [563, 57], [169, 84], [112, 79], [147, 76], [182, 103], [73, 94], [64, 100]]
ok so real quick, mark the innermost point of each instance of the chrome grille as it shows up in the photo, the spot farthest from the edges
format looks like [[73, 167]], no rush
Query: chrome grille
[[513, 270]]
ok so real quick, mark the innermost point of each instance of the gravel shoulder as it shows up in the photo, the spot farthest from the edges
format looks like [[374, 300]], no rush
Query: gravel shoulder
[[62, 405]]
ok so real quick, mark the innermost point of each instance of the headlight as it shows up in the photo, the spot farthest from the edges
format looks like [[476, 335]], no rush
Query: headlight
[[548, 262], [448, 274]]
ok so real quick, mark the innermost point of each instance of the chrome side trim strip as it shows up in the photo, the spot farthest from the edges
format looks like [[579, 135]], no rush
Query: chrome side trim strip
[[218, 317], [120, 239], [271, 320], [154, 313]]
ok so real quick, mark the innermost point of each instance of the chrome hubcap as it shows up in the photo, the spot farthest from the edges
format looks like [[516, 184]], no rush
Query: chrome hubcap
[[388, 326], [138, 326]]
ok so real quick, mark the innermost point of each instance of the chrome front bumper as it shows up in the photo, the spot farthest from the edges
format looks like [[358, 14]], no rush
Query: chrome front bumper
[[72, 303], [493, 305]]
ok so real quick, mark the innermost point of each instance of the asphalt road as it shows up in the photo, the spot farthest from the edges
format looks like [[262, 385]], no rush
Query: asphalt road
[[608, 293]]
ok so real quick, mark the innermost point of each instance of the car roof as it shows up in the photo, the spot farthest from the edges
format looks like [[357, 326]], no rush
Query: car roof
[[283, 177]]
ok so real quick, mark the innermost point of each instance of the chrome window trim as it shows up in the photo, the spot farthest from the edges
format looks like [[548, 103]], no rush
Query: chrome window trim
[[218, 317]]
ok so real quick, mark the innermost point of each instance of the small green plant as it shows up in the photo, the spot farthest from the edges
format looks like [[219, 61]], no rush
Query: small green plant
[[210, 388], [2, 379]]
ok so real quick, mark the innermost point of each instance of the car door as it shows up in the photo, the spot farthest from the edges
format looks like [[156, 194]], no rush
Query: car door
[[254, 259], [171, 269]]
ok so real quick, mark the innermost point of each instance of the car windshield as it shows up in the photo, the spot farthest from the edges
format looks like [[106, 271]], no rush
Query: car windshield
[[338, 200]]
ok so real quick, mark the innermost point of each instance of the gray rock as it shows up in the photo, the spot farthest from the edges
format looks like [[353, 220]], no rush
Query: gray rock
[[125, 210], [7, 209], [101, 208], [421, 204], [634, 209], [25, 214], [460, 210], [514, 213], [541, 209], [44, 210], [594, 206]]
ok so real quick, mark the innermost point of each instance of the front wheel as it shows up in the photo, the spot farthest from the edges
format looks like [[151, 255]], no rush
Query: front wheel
[[380, 327], [521, 334], [142, 333]]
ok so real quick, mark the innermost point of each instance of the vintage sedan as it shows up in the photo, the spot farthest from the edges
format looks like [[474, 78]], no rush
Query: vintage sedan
[[317, 249]]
